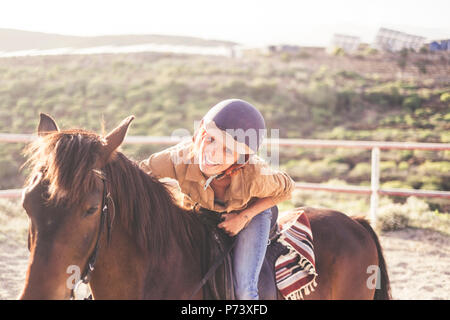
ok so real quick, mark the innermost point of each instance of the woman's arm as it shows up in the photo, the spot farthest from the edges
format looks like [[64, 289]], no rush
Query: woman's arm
[[234, 223], [270, 186], [257, 207]]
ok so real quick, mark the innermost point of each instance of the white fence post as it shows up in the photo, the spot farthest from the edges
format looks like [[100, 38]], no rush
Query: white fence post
[[374, 185]]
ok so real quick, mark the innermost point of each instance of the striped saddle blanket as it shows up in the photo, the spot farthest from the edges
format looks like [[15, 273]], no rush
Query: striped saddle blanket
[[295, 271]]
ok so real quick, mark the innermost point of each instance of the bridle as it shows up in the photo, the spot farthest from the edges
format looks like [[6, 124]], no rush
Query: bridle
[[89, 268]]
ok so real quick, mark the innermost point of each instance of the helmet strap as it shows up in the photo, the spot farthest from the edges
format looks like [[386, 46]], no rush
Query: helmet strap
[[231, 171]]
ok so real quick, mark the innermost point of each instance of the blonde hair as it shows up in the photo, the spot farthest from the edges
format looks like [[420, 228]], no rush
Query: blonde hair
[[195, 148], [197, 141]]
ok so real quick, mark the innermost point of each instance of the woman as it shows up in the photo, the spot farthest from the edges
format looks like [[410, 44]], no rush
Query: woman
[[220, 171]]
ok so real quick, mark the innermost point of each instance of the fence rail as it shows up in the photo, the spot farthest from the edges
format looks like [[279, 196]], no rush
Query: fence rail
[[312, 143], [375, 146]]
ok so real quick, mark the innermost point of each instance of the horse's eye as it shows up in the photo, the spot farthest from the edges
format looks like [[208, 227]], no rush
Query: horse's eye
[[91, 211]]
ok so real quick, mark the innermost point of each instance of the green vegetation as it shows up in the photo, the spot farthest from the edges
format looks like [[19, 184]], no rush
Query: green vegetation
[[414, 213], [403, 59], [445, 97], [305, 96], [338, 52]]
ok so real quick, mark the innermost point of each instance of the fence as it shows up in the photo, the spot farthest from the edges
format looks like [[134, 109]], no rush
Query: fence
[[375, 146]]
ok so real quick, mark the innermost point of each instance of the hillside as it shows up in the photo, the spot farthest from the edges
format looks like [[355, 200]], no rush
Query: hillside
[[15, 40], [365, 96]]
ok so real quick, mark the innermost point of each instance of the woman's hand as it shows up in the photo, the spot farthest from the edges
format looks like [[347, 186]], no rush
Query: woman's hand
[[233, 223]]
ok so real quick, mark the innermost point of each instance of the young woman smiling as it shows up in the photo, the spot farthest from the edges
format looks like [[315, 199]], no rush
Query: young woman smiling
[[220, 171]]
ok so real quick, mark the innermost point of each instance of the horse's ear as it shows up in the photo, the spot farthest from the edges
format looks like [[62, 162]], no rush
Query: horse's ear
[[46, 125], [115, 138]]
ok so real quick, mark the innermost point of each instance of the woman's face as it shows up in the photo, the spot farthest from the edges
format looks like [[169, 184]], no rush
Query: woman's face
[[214, 156]]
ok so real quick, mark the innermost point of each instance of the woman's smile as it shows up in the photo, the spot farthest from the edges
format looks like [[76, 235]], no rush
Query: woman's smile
[[214, 157], [208, 162]]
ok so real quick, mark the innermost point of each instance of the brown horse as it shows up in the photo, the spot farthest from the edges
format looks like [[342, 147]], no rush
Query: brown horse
[[88, 204]]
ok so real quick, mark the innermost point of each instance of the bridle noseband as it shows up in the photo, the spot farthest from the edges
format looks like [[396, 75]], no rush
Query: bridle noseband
[[89, 268]]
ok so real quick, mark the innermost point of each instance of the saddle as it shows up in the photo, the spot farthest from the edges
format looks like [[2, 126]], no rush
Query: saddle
[[217, 283]]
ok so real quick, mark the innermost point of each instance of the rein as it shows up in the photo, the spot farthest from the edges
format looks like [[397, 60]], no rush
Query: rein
[[219, 260], [89, 268], [212, 218]]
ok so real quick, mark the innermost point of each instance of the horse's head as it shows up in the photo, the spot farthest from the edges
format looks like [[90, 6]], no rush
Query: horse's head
[[63, 198]]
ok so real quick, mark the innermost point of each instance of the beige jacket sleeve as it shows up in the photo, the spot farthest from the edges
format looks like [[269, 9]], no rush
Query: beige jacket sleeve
[[270, 182], [159, 165]]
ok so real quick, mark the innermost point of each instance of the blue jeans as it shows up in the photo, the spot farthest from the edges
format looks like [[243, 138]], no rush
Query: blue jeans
[[248, 255]]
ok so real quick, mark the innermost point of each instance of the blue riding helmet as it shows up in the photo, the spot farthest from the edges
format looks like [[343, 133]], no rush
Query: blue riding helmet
[[242, 123], [241, 120]]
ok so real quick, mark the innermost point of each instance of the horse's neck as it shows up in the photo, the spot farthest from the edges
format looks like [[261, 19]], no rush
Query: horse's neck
[[120, 269], [180, 271], [124, 271]]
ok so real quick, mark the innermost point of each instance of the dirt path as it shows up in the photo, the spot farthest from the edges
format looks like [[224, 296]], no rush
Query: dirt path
[[418, 262], [13, 264]]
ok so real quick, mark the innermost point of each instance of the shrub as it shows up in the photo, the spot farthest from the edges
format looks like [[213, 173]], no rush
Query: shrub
[[421, 65], [421, 216], [395, 216], [388, 165], [445, 97], [392, 217], [349, 75], [338, 52], [402, 59], [285, 57], [386, 94], [321, 95], [369, 51], [424, 49], [397, 184], [412, 102], [435, 168], [403, 165], [361, 171], [315, 171], [446, 117]]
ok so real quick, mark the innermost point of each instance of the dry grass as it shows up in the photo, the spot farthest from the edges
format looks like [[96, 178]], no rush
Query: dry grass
[[414, 213], [13, 221]]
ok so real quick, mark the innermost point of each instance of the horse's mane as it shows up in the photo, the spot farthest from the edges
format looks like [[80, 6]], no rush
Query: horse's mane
[[66, 159], [145, 206], [148, 209]]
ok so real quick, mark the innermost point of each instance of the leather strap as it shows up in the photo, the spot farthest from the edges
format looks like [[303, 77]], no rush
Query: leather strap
[[86, 276], [213, 268]]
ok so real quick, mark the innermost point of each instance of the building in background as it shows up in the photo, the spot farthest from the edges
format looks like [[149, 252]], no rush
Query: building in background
[[346, 42], [440, 45], [283, 48], [392, 40]]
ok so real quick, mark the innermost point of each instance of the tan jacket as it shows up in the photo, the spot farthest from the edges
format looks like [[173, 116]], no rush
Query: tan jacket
[[254, 180]]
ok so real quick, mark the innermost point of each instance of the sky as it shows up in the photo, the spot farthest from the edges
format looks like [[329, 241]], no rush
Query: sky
[[250, 22]]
